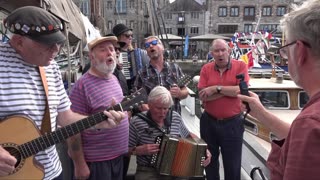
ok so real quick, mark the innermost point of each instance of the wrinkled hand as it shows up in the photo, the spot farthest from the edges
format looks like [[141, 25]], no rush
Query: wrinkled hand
[[7, 162], [147, 149], [114, 119], [81, 171], [255, 105], [206, 92], [207, 161], [175, 91]]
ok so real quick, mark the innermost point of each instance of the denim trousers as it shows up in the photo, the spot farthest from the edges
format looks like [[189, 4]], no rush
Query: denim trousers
[[225, 136]]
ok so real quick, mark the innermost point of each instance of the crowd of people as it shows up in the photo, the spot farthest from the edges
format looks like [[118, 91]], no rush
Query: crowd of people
[[32, 91]]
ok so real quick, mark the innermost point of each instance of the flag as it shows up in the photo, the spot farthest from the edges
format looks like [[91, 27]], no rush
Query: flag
[[186, 46], [248, 59]]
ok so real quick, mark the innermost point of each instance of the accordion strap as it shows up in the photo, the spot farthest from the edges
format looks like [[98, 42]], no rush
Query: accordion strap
[[151, 123]]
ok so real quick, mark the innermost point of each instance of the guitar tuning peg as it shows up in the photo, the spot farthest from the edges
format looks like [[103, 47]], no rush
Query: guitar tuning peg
[[136, 104], [131, 107]]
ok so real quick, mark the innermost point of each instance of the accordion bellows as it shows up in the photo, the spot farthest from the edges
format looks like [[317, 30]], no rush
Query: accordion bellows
[[180, 157]]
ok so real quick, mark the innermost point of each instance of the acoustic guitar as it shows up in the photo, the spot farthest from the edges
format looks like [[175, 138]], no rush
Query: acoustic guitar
[[23, 146]]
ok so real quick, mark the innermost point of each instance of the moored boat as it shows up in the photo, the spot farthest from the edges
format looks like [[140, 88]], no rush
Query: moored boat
[[281, 97]]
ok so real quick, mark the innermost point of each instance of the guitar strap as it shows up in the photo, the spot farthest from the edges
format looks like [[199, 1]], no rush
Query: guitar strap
[[151, 123], [46, 123]]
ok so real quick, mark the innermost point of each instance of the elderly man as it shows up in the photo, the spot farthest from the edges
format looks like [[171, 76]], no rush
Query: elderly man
[[142, 135], [25, 62], [161, 73], [296, 156], [101, 154], [221, 125]]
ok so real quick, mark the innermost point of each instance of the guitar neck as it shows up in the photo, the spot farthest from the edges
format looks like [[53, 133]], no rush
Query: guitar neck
[[43, 142]]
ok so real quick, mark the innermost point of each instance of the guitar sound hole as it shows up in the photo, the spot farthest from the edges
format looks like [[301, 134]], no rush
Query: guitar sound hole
[[14, 152]]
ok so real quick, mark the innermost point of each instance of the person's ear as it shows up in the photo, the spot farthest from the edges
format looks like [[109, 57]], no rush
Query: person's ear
[[301, 53]]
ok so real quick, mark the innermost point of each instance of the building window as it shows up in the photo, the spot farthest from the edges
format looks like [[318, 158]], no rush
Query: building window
[[181, 31], [109, 4], [194, 30], [249, 14], [281, 10], [169, 30], [131, 26], [131, 4], [234, 11], [121, 6], [222, 11], [110, 25], [194, 15], [181, 19], [267, 11], [268, 27], [84, 7], [248, 28], [227, 28], [168, 16]]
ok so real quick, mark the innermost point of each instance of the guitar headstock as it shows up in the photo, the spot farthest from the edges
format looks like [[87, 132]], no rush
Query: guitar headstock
[[184, 80], [135, 99]]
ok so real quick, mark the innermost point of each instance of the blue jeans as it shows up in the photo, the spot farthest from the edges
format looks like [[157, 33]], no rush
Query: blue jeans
[[228, 136]]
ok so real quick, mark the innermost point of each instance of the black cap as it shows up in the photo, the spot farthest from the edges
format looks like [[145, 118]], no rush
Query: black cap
[[119, 29], [36, 23]]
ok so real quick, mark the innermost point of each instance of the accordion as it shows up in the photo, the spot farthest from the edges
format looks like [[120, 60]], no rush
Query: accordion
[[126, 65], [179, 157]]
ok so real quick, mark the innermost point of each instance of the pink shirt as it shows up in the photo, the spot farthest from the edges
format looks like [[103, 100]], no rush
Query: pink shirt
[[210, 76], [298, 156]]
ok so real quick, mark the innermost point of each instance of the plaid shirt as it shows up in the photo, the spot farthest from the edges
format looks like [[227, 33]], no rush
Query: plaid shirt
[[149, 77]]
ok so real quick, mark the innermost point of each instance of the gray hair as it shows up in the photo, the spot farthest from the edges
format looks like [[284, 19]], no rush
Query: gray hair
[[218, 40], [153, 37], [303, 23], [160, 92]]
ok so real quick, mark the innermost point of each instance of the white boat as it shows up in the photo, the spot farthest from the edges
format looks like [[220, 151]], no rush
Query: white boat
[[282, 98]]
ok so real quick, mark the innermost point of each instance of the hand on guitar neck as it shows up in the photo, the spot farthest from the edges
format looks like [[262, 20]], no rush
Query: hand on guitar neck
[[20, 139]]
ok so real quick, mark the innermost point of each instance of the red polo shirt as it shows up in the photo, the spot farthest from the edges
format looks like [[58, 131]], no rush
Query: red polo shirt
[[210, 76]]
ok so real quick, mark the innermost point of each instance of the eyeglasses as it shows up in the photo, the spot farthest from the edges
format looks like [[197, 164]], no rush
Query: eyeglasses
[[128, 35], [283, 50], [117, 49], [154, 42]]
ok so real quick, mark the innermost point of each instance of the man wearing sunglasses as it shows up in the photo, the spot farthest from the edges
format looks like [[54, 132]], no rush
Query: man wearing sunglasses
[[160, 73], [296, 155], [137, 58]]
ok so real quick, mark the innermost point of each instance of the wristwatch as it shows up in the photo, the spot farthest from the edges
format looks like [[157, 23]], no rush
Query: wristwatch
[[218, 88]]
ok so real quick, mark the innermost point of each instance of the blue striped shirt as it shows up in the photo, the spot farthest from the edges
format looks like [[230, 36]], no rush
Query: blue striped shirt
[[141, 133], [22, 93]]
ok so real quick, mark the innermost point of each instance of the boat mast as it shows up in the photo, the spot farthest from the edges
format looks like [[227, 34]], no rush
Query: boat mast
[[151, 18]]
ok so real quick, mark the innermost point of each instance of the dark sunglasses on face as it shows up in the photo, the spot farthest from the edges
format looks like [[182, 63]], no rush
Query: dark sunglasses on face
[[154, 42], [128, 35]]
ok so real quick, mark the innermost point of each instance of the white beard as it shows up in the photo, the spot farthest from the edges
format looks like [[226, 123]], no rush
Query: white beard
[[104, 68]]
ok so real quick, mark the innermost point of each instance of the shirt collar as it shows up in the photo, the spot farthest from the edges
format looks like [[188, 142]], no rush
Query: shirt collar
[[229, 65]]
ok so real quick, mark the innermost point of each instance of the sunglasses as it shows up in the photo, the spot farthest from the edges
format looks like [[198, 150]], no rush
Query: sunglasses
[[117, 49], [154, 42], [128, 35]]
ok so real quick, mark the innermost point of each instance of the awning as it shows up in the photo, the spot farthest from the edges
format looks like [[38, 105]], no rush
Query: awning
[[209, 37], [169, 37]]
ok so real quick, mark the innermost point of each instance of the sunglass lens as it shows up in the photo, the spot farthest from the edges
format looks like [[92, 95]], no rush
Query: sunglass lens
[[154, 42]]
